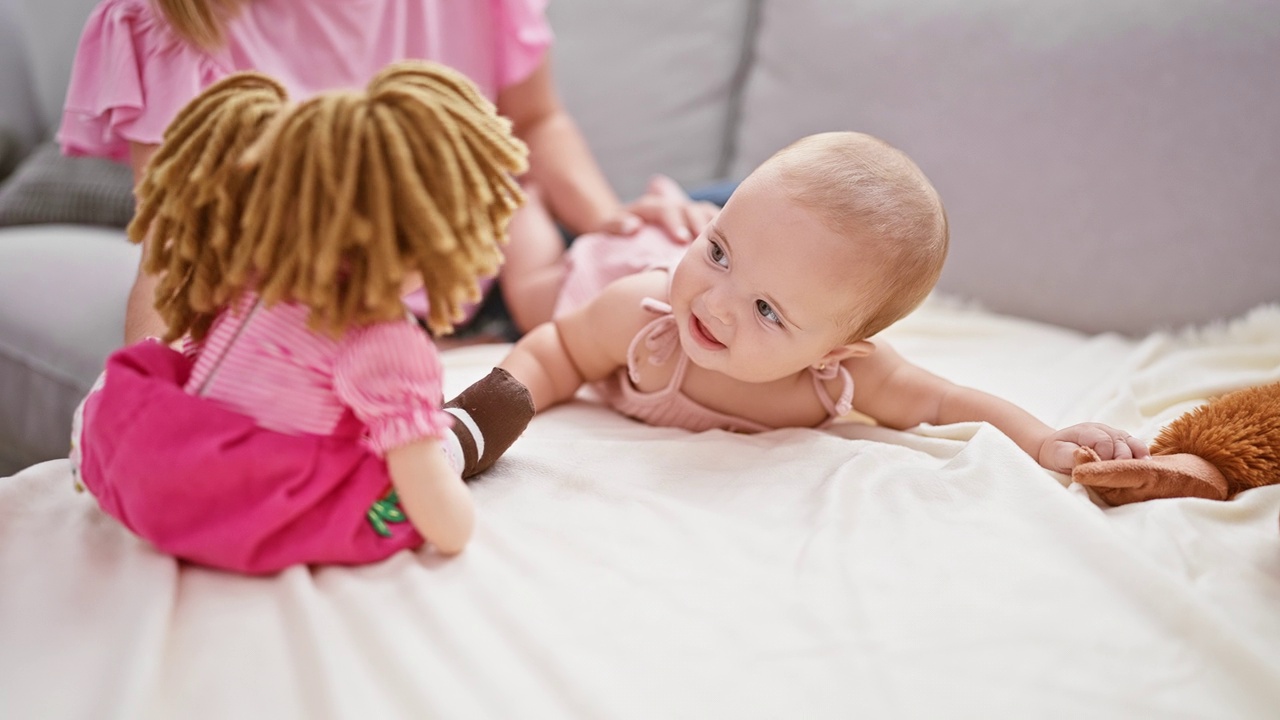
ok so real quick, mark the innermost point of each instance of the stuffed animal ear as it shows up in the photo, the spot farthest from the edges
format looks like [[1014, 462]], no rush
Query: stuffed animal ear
[[1119, 482], [1226, 446]]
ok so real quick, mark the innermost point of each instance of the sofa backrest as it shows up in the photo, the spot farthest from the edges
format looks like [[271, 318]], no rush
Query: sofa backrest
[[52, 30], [21, 119], [653, 85], [1106, 164]]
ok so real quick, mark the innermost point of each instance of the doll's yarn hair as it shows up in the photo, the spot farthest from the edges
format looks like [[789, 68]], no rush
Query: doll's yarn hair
[[338, 199], [192, 196]]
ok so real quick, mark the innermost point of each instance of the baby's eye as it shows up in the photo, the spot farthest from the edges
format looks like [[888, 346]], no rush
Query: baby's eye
[[717, 255], [767, 312]]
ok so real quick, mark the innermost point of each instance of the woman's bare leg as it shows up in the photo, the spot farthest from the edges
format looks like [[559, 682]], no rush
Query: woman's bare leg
[[535, 267]]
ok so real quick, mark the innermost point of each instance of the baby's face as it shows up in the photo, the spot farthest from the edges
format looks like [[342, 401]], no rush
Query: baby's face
[[764, 291]]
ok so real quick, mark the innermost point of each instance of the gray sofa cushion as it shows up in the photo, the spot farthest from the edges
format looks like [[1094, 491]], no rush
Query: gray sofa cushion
[[651, 84], [50, 188], [62, 299]]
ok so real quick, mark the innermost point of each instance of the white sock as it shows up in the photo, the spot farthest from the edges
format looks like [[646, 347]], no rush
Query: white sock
[[465, 418], [453, 451]]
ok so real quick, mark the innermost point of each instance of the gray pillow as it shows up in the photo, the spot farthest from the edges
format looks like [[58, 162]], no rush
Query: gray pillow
[[48, 187]]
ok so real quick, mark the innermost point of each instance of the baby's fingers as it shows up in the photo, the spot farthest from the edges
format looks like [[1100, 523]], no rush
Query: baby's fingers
[[1119, 445], [1137, 447], [1119, 449], [1059, 456]]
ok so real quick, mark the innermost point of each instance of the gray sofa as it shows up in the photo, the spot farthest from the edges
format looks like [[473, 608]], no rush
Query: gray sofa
[[1107, 166]]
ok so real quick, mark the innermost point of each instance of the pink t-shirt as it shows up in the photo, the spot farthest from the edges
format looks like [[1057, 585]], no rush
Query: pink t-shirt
[[132, 74], [266, 363]]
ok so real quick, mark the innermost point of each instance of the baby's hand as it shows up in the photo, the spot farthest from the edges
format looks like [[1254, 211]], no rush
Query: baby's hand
[[1058, 450], [665, 205]]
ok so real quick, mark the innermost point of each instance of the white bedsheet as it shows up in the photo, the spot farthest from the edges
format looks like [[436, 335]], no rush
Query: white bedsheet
[[624, 571]]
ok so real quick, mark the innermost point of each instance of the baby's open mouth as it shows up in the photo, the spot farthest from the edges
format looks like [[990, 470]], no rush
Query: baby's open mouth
[[702, 335]]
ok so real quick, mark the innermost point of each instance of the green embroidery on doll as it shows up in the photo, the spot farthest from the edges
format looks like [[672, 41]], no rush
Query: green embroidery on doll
[[386, 510]]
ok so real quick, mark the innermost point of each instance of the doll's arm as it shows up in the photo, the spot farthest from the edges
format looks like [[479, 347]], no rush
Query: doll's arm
[[899, 394], [432, 494]]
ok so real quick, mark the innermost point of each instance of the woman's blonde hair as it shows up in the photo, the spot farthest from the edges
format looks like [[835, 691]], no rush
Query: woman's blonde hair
[[200, 22], [331, 203]]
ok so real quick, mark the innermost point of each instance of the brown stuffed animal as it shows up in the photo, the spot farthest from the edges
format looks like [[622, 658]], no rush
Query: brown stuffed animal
[[1230, 444]]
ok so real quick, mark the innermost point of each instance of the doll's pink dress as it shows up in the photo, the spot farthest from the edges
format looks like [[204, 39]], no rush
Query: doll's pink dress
[[265, 447], [132, 74]]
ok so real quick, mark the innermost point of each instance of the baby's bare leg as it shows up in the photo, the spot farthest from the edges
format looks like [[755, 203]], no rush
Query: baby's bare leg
[[535, 267]]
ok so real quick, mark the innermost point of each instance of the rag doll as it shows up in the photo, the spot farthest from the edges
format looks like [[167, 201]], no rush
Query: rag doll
[[304, 420], [1226, 446]]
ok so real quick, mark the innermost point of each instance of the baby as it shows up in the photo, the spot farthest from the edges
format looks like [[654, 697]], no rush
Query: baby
[[768, 318]]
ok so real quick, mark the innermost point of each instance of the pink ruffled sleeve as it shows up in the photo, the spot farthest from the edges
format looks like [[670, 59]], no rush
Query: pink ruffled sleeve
[[524, 36], [389, 374], [130, 78]]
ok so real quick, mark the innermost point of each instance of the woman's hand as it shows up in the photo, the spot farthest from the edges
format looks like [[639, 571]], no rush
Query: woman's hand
[[1058, 450], [664, 205]]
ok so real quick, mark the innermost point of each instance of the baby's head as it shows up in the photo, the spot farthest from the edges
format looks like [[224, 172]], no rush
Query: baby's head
[[334, 203], [874, 195], [830, 241]]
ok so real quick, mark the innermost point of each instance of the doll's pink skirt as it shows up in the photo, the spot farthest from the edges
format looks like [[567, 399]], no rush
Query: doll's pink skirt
[[206, 484]]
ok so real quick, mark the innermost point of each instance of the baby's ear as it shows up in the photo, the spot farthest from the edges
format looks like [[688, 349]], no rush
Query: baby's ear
[[840, 353]]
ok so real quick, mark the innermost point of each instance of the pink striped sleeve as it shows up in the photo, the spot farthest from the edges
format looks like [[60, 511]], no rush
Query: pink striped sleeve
[[390, 376]]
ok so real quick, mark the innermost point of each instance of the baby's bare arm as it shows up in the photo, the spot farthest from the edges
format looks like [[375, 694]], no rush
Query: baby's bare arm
[[556, 358], [543, 364], [898, 394]]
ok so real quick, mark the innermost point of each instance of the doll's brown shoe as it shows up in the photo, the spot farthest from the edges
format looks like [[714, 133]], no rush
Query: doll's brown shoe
[[488, 417]]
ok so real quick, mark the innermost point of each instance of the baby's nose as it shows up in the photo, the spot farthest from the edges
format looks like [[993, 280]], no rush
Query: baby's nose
[[720, 305]]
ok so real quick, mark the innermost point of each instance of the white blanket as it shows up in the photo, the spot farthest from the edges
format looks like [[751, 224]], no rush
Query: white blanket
[[624, 571]]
